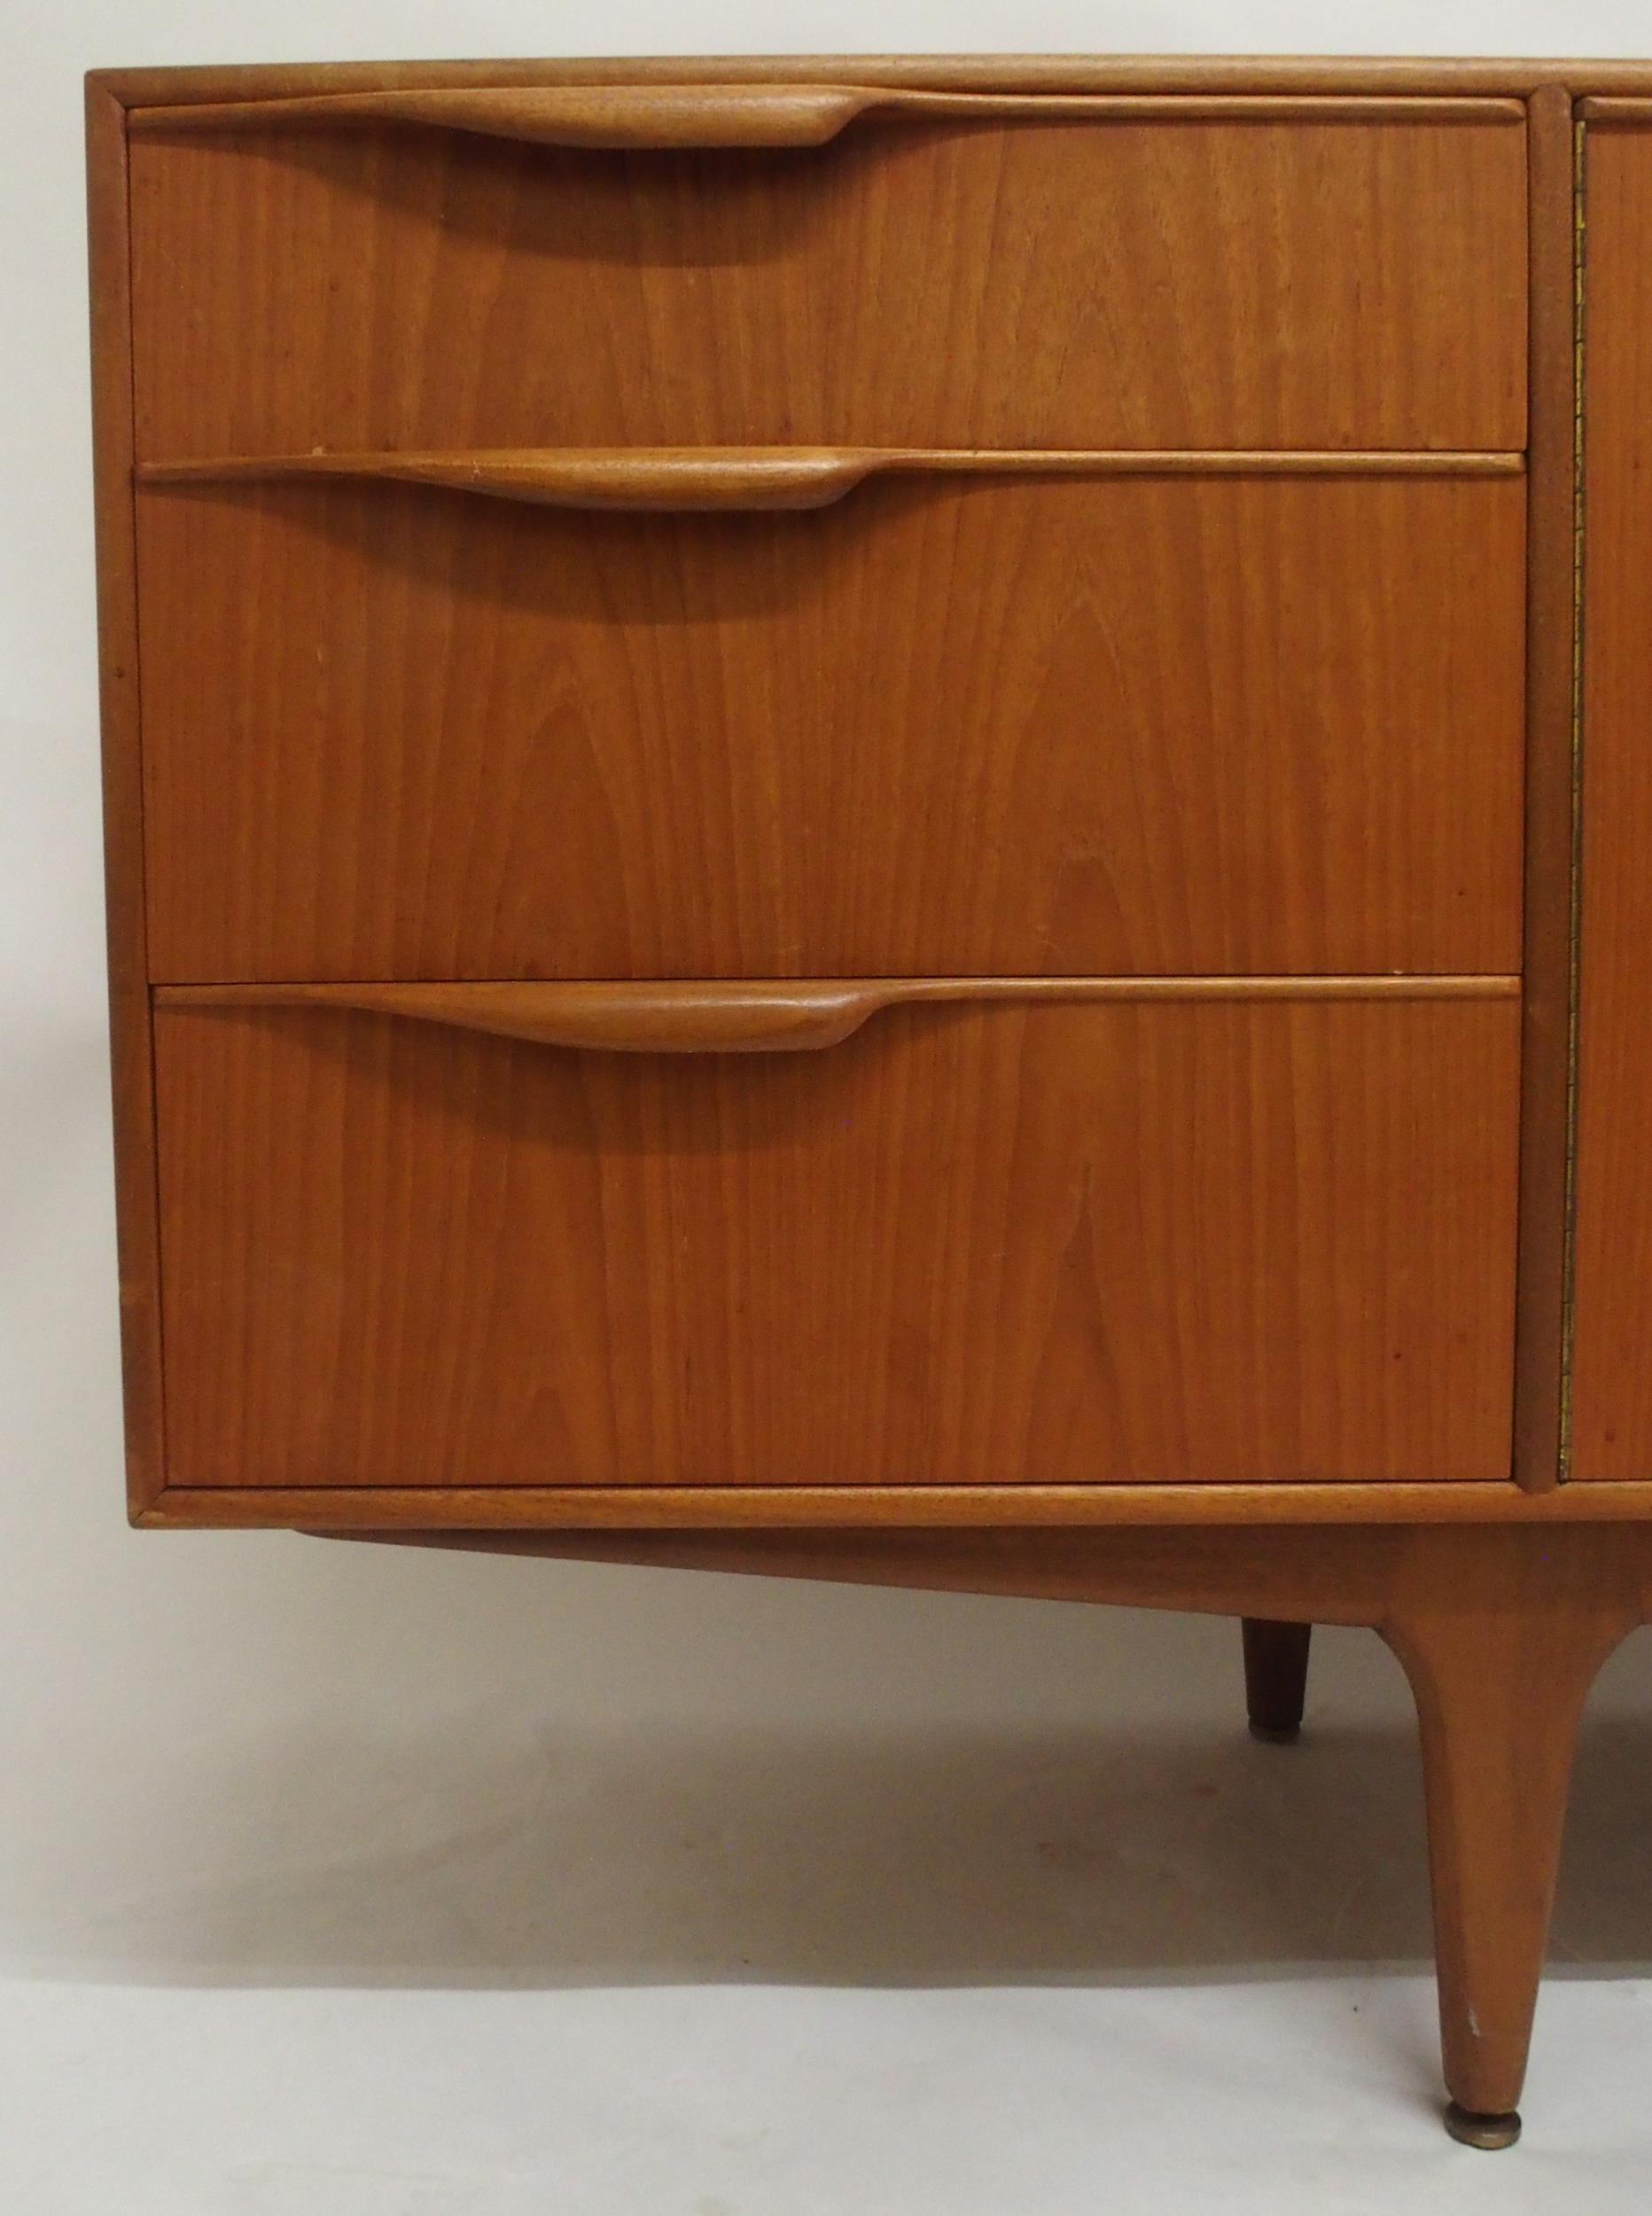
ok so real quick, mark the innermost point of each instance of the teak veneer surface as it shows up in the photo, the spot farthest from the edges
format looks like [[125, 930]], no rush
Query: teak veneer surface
[[1262, 1241], [1612, 1380], [950, 726], [1145, 284]]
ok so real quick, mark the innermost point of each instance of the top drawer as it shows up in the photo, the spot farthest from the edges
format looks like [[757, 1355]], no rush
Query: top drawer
[[1351, 278]]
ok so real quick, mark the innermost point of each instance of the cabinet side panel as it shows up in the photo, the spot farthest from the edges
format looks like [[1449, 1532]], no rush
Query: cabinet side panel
[[131, 1058], [1612, 1375]]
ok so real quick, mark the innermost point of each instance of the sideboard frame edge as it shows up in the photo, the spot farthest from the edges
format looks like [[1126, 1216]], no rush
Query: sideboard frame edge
[[661, 1507], [1168, 74], [137, 1229]]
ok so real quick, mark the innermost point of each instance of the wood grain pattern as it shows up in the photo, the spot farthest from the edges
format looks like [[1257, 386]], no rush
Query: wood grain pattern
[[1612, 1373], [1078, 1244], [1542, 1353], [740, 478], [625, 116], [1024, 286], [995, 726], [136, 1220]]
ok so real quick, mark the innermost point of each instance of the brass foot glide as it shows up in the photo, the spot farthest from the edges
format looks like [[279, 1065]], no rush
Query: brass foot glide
[[1276, 1735], [1487, 2132]]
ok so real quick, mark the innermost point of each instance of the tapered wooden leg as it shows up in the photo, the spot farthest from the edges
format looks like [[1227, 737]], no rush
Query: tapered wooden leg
[[1275, 1677], [1501, 1628], [1501, 1636]]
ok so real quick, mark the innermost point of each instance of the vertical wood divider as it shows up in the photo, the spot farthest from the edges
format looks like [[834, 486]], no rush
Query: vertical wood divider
[[1548, 1042]]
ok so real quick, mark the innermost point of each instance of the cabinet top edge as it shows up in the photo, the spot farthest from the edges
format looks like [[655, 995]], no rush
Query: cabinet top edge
[[1279, 75]]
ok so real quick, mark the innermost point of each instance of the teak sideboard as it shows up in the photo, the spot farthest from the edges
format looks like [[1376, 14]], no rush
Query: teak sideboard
[[893, 820]]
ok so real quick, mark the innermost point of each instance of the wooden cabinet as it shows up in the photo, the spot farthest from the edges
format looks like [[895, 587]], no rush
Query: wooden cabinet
[[843, 806]]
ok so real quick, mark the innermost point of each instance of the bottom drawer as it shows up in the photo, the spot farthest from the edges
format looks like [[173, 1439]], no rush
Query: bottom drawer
[[1058, 1243]]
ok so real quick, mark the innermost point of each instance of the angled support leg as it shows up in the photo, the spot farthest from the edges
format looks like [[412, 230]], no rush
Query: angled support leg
[[1501, 1628], [1275, 1678], [1502, 1635]]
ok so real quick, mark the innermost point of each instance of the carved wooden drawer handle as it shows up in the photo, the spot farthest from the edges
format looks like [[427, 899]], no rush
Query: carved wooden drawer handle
[[657, 478], [776, 1016], [685, 116], [775, 478]]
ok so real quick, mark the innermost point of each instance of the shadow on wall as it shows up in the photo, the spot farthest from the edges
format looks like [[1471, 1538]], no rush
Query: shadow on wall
[[464, 1859]]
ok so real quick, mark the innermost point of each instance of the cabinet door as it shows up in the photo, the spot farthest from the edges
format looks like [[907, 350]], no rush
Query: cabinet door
[[1612, 1371]]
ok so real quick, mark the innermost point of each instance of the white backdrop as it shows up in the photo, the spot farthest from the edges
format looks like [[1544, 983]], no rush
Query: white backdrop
[[260, 1760]]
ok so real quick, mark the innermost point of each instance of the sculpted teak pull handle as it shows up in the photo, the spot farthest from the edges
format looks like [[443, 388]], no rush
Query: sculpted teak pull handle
[[712, 478], [619, 117], [778, 1014], [641, 478], [639, 118]]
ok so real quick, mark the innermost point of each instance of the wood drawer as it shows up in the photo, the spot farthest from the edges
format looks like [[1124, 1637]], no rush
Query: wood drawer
[[1281, 275], [951, 724], [1068, 1243]]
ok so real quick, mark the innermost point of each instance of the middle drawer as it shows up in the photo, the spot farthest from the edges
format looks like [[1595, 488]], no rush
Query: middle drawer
[[949, 725]]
